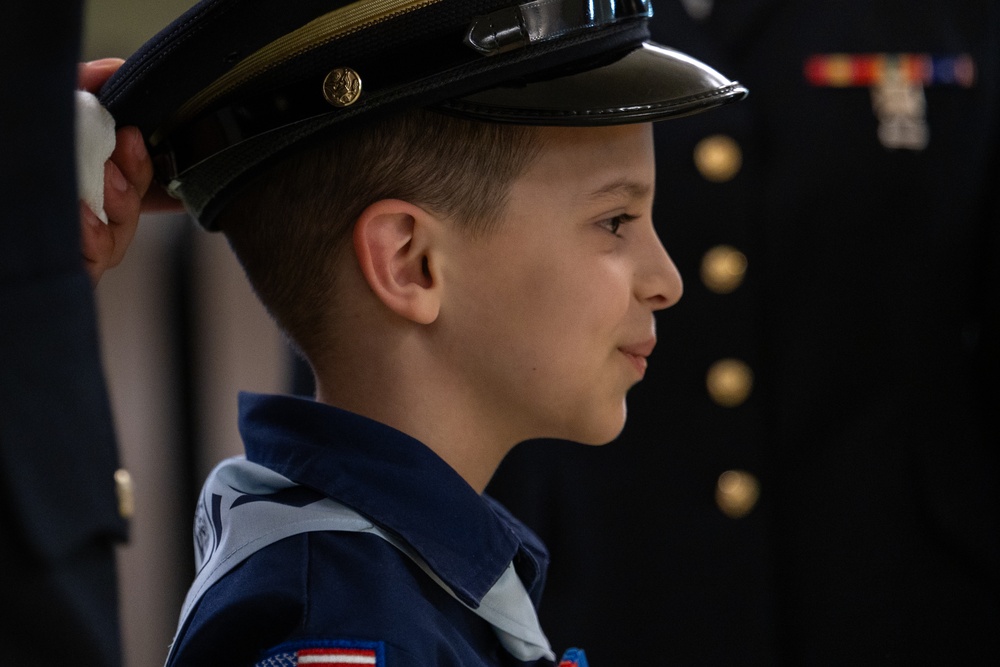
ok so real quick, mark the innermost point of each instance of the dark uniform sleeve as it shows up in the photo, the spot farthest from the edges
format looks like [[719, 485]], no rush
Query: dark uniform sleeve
[[58, 511]]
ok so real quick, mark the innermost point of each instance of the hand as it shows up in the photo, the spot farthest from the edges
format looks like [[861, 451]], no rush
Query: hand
[[128, 187]]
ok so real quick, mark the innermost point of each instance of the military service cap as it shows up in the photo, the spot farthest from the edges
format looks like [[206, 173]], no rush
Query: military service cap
[[232, 85]]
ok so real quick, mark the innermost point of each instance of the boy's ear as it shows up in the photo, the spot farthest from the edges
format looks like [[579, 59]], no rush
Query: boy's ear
[[393, 241]]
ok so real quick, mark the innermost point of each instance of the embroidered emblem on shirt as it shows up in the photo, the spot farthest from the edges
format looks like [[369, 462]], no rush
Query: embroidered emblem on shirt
[[207, 529], [208, 520], [897, 82], [326, 654]]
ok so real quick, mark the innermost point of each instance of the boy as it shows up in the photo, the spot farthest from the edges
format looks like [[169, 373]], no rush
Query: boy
[[446, 206]]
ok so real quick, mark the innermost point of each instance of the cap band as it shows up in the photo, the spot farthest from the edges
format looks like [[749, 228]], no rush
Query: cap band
[[198, 131], [539, 21], [319, 31]]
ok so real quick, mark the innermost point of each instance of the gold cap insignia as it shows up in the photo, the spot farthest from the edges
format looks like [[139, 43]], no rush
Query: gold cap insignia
[[342, 87]]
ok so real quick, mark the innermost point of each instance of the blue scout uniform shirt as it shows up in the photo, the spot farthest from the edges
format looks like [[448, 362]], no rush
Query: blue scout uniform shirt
[[355, 596]]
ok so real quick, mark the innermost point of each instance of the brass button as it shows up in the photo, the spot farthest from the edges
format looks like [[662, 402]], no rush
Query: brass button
[[729, 382], [342, 87], [723, 268], [718, 158], [736, 493], [125, 493]]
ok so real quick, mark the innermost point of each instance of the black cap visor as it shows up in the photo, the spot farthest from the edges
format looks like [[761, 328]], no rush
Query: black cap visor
[[650, 83]]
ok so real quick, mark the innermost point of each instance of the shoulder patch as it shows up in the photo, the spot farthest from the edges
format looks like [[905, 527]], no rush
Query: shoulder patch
[[325, 653]]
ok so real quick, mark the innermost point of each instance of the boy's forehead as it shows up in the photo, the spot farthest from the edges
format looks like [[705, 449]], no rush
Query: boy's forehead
[[593, 165], [234, 84], [615, 145]]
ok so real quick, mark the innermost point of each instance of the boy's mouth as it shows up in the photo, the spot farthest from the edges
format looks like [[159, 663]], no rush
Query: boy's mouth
[[637, 353]]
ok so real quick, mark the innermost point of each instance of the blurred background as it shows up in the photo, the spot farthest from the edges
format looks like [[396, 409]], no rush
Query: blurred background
[[181, 334]]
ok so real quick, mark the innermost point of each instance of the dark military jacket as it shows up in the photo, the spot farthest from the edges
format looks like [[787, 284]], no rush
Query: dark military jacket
[[809, 474]]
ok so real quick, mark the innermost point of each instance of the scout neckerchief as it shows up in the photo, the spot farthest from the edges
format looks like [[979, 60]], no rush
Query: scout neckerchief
[[245, 506]]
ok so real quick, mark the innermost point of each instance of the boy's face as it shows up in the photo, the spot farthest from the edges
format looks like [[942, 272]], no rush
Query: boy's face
[[549, 319]]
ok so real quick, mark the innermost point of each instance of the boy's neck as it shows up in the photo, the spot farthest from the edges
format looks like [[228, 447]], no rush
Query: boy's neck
[[423, 409], [387, 368]]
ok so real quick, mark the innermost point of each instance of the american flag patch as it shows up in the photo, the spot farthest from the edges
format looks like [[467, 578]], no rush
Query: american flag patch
[[335, 657], [326, 654]]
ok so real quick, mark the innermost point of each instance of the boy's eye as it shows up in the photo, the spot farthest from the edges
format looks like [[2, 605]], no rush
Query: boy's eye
[[615, 223]]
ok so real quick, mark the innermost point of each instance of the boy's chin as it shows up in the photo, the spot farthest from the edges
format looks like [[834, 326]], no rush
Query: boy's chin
[[602, 435], [595, 429]]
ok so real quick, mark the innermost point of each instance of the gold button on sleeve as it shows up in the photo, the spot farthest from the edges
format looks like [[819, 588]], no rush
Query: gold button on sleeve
[[723, 269], [729, 382], [736, 493], [125, 493], [718, 158]]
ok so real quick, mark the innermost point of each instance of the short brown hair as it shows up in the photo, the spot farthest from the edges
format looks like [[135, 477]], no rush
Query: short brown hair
[[289, 227]]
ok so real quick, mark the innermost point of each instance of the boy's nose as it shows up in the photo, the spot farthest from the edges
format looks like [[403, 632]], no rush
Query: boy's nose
[[658, 283]]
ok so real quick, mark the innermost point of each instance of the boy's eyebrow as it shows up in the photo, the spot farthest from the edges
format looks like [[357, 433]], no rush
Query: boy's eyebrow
[[628, 188]]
